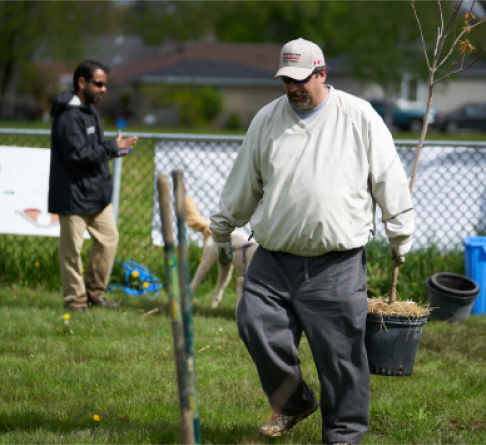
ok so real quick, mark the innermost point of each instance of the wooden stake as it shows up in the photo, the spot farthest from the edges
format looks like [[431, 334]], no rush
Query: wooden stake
[[175, 309], [184, 282]]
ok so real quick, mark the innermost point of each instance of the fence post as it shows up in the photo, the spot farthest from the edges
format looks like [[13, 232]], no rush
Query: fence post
[[115, 197]]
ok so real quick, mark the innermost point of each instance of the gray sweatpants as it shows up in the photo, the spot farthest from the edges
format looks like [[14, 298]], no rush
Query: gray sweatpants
[[325, 297]]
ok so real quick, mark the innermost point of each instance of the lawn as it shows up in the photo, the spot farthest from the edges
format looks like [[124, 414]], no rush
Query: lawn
[[118, 365]]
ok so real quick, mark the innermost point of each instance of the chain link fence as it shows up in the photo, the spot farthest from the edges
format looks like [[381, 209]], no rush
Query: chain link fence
[[449, 197]]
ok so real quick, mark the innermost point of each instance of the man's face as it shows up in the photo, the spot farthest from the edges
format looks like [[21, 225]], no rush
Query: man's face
[[307, 95], [95, 88]]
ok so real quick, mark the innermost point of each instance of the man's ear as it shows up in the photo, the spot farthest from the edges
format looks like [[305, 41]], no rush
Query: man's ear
[[323, 73], [81, 83]]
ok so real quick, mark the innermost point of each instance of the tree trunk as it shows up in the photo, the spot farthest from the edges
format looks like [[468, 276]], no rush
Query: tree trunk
[[8, 88]]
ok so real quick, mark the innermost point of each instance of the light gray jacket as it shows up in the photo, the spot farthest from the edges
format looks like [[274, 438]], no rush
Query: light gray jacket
[[310, 189]]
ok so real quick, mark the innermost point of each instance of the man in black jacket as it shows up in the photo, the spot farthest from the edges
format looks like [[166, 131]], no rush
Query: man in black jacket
[[80, 187]]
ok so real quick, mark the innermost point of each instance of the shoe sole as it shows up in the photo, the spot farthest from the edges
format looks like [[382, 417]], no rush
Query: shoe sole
[[295, 421]]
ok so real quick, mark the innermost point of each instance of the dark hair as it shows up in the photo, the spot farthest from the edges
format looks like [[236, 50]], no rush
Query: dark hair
[[319, 69], [86, 70]]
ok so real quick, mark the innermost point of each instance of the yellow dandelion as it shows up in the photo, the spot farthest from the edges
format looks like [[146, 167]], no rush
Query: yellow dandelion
[[58, 330], [96, 418], [146, 284], [135, 274], [412, 293], [146, 334], [36, 264], [414, 283], [67, 316], [164, 354]]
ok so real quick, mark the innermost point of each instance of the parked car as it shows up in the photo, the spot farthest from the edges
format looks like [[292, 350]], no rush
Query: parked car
[[471, 116], [407, 115]]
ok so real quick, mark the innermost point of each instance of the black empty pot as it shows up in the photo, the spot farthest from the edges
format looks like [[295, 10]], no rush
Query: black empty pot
[[451, 296], [392, 343]]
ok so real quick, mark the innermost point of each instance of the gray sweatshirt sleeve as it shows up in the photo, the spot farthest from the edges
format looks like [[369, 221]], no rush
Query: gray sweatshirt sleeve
[[389, 183], [242, 191]]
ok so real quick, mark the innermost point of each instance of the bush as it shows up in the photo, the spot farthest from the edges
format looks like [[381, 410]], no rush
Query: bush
[[234, 121], [197, 106]]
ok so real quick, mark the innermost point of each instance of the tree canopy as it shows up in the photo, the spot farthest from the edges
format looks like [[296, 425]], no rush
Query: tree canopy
[[56, 30]]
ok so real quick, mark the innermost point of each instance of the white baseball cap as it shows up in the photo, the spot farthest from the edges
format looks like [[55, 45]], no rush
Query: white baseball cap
[[298, 59]]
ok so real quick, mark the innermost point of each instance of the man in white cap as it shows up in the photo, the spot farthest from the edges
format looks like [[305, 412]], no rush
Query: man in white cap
[[312, 165]]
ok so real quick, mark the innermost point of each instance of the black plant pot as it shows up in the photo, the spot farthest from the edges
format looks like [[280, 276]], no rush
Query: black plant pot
[[451, 296], [392, 343]]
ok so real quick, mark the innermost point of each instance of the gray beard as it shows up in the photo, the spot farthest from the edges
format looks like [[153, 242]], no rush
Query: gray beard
[[300, 104]]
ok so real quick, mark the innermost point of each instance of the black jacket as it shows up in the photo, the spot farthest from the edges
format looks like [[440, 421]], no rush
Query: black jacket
[[80, 181]]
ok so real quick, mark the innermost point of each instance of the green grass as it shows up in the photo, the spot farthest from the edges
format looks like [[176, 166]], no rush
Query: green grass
[[120, 366]]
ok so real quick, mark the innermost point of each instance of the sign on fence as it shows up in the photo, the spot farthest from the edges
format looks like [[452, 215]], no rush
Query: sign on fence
[[24, 184]]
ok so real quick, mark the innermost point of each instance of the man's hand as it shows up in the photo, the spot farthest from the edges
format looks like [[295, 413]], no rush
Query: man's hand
[[224, 252], [125, 145], [400, 251]]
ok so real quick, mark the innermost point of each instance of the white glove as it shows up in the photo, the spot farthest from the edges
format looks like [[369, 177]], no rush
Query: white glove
[[224, 252], [400, 251]]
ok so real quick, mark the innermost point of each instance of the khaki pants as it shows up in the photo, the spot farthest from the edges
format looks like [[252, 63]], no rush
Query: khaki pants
[[102, 228]]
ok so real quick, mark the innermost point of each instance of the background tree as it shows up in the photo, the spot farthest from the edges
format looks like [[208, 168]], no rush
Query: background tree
[[382, 42], [169, 20], [448, 52], [30, 30], [233, 21]]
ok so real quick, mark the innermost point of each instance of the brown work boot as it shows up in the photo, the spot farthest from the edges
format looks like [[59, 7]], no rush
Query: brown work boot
[[101, 302], [281, 423]]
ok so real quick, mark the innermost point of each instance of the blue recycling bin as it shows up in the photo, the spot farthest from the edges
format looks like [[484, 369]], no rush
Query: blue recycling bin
[[475, 258]]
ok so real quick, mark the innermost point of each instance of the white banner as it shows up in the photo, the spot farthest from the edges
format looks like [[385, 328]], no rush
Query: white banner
[[24, 186]]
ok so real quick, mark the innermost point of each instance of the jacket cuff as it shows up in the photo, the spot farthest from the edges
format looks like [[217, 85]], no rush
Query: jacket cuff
[[400, 240], [114, 147], [222, 238]]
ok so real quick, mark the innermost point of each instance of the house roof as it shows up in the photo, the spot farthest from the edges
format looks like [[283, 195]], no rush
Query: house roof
[[211, 64], [210, 72], [252, 61]]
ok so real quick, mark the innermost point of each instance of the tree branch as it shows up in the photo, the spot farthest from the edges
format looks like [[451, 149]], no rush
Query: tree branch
[[441, 17], [461, 69], [455, 42], [452, 49], [421, 35]]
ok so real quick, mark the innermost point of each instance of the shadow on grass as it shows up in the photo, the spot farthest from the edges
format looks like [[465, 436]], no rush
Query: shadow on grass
[[111, 430], [37, 427], [200, 308]]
